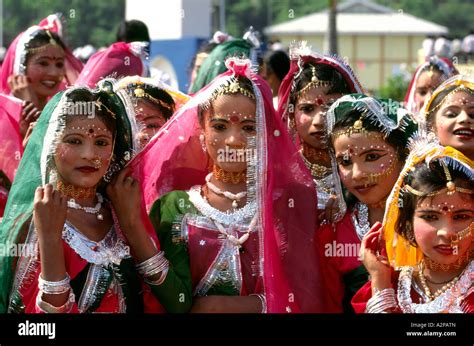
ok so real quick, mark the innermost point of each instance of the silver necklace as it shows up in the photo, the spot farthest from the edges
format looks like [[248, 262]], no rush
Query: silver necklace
[[90, 210]]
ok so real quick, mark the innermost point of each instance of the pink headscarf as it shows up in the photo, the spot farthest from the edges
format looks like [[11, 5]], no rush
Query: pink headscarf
[[14, 61], [300, 55], [447, 69], [278, 180], [119, 60]]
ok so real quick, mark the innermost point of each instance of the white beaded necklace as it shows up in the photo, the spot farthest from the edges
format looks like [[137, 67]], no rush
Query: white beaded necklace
[[234, 197], [90, 210], [234, 240]]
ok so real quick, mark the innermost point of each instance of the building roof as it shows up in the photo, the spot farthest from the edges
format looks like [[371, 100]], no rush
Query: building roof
[[359, 17]]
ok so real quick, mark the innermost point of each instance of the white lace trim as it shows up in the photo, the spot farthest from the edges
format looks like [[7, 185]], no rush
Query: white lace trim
[[110, 250], [240, 216], [448, 302]]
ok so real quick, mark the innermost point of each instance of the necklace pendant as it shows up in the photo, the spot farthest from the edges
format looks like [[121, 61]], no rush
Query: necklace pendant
[[235, 204], [100, 217]]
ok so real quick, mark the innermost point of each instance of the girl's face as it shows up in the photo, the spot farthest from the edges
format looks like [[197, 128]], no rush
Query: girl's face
[[310, 113], [151, 117], [45, 70], [438, 221], [84, 152], [454, 122], [368, 166], [227, 126], [427, 82]]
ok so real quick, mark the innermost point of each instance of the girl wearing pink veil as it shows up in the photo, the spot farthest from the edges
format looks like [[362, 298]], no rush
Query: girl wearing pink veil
[[36, 66], [231, 202], [427, 77]]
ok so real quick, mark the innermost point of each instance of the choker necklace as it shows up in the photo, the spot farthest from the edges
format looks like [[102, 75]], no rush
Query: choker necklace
[[90, 210], [234, 197], [68, 190], [317, 171], [432, 296], [226, 177], [437, 267], [312, 153]]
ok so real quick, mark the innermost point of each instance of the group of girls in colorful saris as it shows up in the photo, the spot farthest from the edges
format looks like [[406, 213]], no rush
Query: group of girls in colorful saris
[[134, 197]]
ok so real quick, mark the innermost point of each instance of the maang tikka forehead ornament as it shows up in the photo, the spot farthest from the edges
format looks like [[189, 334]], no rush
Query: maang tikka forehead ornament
[[231, 87], [315, 82], [450, 189], [140, 93], [462, 83]]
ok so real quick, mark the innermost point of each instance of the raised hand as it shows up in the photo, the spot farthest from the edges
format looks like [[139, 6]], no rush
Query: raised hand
[[50, 210], [125, 194], [370, 254], [21, 88], [29, 115]]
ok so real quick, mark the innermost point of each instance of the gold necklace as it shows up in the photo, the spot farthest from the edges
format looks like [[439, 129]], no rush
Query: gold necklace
[[317, 171], [432, 296], [437, 267], [226, 177], [68, 190]]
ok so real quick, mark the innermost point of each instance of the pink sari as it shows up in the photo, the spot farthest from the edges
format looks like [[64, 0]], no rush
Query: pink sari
[[11, 147], [278, 182]]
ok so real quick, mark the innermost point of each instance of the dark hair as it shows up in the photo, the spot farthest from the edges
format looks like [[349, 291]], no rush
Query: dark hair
[[206, 47], [42, 38], [244, 82], [133, 30], [278, 62], [397, 138], [324, 73], [84, 95], [432, 66], [426, 179], [161, 95]]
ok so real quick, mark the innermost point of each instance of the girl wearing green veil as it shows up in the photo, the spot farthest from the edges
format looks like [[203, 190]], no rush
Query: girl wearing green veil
[[77, 254]]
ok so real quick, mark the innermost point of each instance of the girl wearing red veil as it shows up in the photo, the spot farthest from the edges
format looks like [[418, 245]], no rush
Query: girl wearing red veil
[[231, 201], [312, 84]]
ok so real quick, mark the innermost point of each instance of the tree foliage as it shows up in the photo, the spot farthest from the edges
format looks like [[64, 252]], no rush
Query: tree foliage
[[456, 15], [87, 21]]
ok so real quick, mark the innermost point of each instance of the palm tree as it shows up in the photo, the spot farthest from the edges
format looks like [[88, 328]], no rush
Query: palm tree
[[332, 27]]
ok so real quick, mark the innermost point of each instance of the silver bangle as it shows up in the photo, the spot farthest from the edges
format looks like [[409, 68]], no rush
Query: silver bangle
[[160, 280], [154, 265], [263, 300], [54, 287], [381, 301], [48, 308]]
